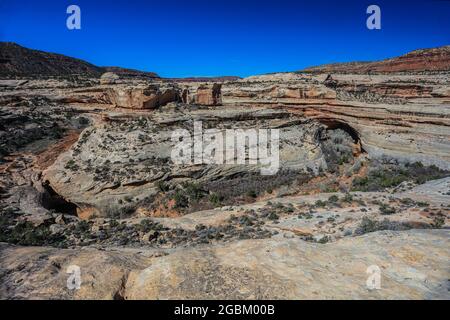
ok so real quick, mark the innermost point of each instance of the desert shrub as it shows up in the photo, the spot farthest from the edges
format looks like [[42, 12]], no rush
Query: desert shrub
[[162, 186], [324, 239], [26, 234], [181, 201], [438, 222], [273, 216], [386, 209], [232, 189], [193, 191], [382, 175], [245, 221], [278, 207], [422, 204], [368, 225], [407, 201], [320, 203], [333, 199], [347, 198], [187, 195], [114, 211], [82, 227], [7, 221], [251, 194], [83, 121], [337, 147], [113, 223], [146, 225], [71, 165], [355, 168], [215, 199]]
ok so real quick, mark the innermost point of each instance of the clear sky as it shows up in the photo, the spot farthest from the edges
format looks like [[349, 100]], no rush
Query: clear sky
[[230, 37]]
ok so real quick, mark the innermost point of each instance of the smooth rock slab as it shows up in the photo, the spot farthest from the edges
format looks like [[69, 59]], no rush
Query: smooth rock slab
[[414, 265]]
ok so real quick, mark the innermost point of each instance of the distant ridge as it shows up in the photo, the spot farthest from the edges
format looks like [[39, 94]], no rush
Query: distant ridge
[[18, 61], [130, 73], [205, 79], [423, 60]]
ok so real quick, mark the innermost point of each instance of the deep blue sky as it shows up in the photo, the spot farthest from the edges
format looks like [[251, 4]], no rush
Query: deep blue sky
[[208, 37]]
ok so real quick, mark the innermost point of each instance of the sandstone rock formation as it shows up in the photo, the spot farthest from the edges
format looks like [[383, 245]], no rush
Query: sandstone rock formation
[[109, 78], [87, 178], [209, 95], [149, 140], [125, 73], [204, 94], [150, 97], [385, 112]]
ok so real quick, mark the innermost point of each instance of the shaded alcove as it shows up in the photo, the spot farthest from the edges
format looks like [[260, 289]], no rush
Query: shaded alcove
[[51, 200], [333, 124]]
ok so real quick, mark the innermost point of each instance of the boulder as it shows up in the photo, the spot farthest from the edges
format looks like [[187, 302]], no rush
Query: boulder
[[109, 78], [209, 95], [149, 97]]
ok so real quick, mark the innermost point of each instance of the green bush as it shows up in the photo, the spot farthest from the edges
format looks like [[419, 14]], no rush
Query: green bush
[[333, 199], [348, 198], [320, 203], [438, 222], [162, 186], [26, 234], [386, 209], [324, 240], [273, 216], [251, 194], [193, 191], [215, 199], [382, 176], [181, 201], [114, 211]]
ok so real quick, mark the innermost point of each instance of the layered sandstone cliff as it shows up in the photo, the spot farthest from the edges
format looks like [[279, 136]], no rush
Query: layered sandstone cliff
[[87, 178], [399, 115]]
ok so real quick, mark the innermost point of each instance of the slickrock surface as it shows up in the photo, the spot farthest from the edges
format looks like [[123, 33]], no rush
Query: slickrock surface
[[413, 264], [87, 179], [291, 269]]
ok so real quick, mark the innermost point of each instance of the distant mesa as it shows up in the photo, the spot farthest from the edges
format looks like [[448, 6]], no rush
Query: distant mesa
[[423, 60], [18, 61], [130, 73], [205, 79]]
